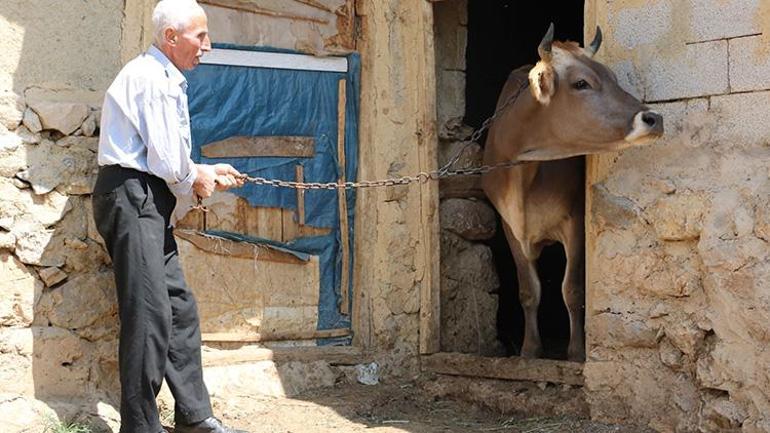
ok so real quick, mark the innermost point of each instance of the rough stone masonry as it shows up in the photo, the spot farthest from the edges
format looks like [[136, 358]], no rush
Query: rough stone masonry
[[677, 300]]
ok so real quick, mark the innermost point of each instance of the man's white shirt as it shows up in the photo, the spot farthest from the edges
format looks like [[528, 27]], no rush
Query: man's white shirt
[[145, 125]]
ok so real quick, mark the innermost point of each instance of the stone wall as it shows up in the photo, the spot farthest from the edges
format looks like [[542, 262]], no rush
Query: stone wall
[[469, 282], [58, 320], [57, 310], [677, 300]]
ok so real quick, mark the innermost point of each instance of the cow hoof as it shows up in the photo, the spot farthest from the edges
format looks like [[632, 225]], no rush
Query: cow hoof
[[531, 353], [576, 355]]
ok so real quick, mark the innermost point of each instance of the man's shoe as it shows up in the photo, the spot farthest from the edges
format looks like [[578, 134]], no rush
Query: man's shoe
[[208, 425]]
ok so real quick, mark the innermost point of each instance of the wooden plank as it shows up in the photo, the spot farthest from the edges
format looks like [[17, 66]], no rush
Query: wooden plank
[[334, 355], [259, 146], [299, 176], [226, 247], [514, 368], [427, 149], [252, 7], [313, 231], [342, 199], [261, 59], [227, 337], [290, 229], [316, 4], [269, 222]]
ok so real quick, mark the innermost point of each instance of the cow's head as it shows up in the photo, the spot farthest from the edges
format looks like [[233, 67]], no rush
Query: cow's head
[[581, 107]]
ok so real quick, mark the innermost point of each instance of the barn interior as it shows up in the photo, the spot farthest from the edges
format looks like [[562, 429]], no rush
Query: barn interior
[[498, 36]]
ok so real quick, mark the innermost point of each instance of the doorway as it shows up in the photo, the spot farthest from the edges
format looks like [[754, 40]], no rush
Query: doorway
[[503, 35]]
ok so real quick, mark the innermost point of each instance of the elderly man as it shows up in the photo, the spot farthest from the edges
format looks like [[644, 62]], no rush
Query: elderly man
[[145, 172]]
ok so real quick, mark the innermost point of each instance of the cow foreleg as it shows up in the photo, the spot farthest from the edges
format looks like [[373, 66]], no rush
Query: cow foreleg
[[573, 290], [529, 296]]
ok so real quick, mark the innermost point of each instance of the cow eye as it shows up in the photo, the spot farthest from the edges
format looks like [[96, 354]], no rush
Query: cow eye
[[581, 85]]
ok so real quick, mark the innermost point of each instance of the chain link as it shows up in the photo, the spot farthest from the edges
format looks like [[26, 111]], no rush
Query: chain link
[[422, 177], [476, 136]]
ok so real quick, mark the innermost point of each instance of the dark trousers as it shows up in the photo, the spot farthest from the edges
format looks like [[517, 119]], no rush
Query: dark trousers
[[159, 325]]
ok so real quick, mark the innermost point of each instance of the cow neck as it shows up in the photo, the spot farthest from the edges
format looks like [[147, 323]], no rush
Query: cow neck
[[517, 132]]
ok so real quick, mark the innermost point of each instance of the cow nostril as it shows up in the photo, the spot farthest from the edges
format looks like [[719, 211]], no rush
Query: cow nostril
[[651, 119]]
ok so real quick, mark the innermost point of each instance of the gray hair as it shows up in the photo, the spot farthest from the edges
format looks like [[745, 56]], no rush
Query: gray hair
[[176, 14]]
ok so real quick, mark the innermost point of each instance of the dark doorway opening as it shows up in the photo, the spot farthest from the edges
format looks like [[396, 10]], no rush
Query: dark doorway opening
[[503, 35]]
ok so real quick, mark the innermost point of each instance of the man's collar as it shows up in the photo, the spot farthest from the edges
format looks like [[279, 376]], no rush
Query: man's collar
[[172, 72]]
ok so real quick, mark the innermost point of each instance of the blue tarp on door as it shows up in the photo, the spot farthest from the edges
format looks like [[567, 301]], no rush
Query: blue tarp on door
[[227, 101]]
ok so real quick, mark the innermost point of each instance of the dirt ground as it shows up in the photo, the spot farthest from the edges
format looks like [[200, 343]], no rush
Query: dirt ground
[[385, 409]]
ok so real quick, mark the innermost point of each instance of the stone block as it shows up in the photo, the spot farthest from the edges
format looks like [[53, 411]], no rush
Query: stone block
[[683, 120], [83, 301], [451, 31], [11, 109], [740, 120], [71, 167], [670, 356], [721, 415], [21, 210], [88, 259], [20, 415], [678, 217], [685, 336], [674, 272], [19, 291], [12, 160], [9, 142], [64, 117], [45, 362], [7, 241], [469, 301], [711, 20], [52, 276], [450, 91], [638, 25], [35, 248], [620, 330], [89, 125], [32, 120], [60, 363], [462, 186], [749, 64], [27, 136], [471, 219], [699, 70]]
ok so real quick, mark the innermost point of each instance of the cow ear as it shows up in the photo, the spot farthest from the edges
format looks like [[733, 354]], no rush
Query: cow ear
[[542, 82]]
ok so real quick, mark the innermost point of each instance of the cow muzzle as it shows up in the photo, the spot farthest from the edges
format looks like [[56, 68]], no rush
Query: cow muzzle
[[647, 125]]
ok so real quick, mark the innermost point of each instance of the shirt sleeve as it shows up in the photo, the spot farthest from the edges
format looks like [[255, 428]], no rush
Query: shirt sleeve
[[161, 128]]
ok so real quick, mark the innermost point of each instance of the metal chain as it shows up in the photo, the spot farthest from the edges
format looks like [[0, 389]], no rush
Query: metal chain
[[422, 177], [474, 138]]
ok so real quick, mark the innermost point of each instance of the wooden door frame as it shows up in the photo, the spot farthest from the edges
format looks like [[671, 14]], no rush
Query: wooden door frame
[[514, 368]]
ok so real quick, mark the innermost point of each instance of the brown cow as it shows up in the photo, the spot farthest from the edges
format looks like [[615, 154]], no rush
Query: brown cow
[[574, 107]]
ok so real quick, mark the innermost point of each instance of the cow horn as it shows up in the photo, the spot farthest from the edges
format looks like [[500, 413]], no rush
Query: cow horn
[[545, 46], [597, 42]]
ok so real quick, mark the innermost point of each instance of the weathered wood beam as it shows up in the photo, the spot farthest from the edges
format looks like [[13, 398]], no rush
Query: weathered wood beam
[[346, 355], [239, 337], [247, 147], [244, 250], [250, 6], [514, 368], [342, 199], [316, 4], [299, 176]]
